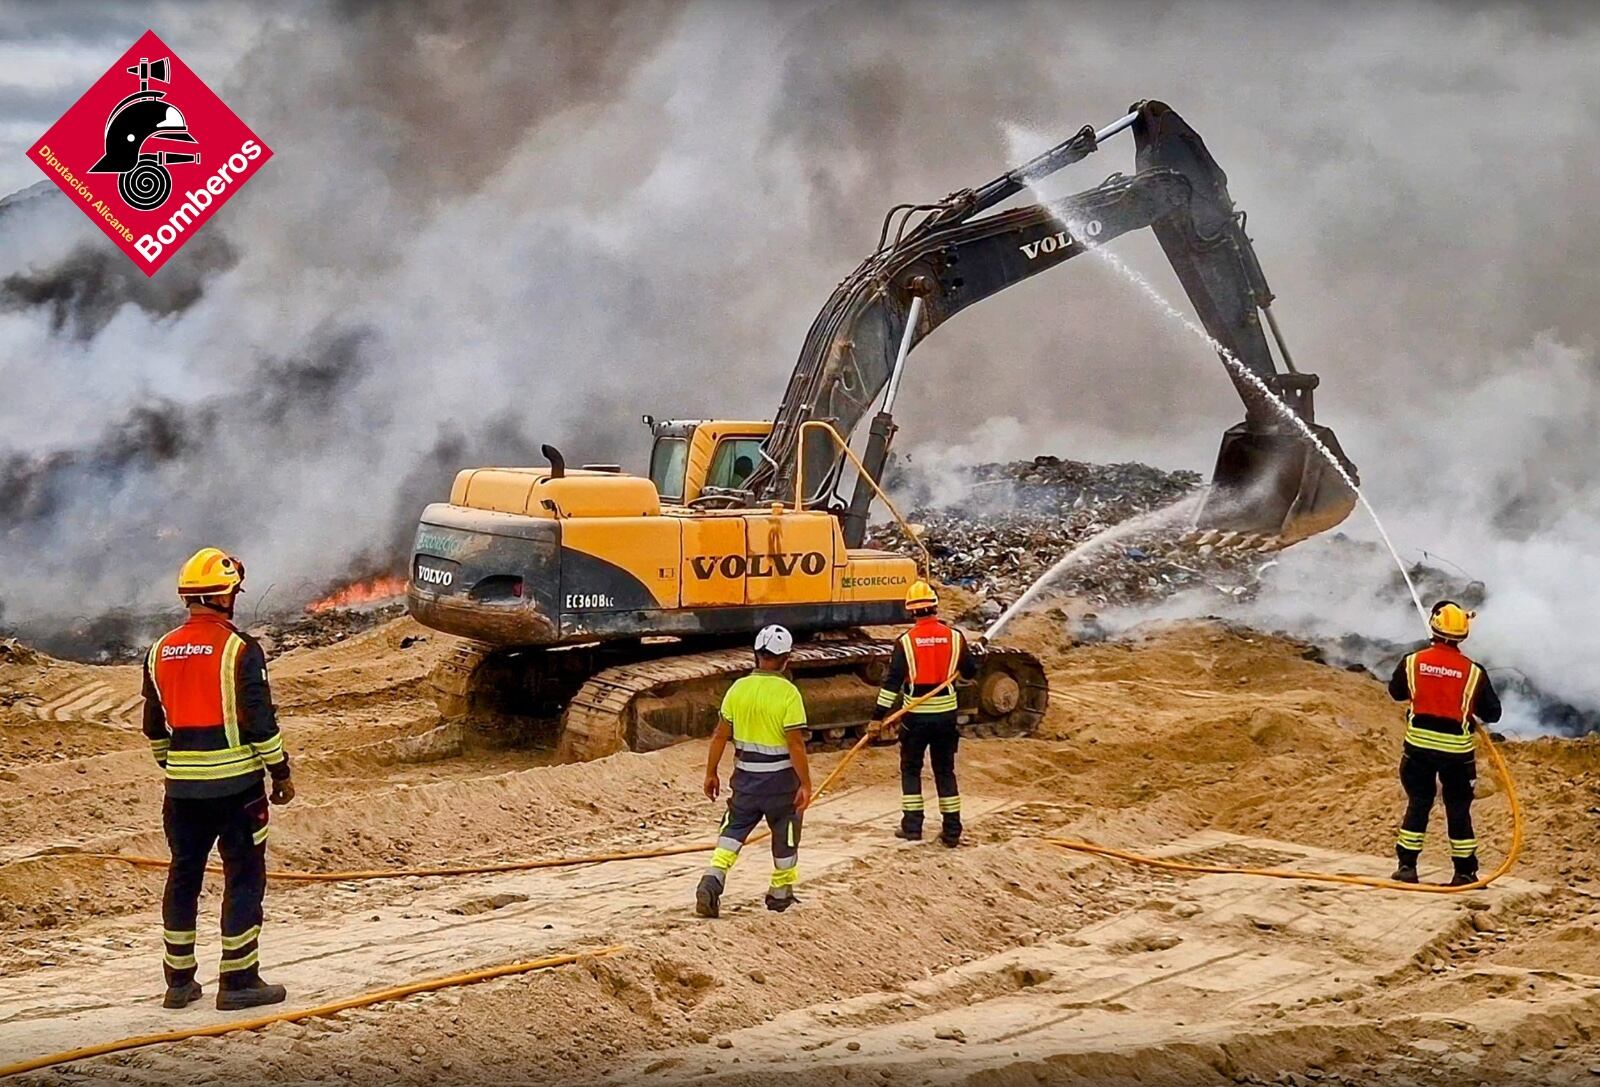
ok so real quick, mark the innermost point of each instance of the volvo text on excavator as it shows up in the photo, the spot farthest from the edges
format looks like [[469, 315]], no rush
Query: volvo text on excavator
[[610, 610]]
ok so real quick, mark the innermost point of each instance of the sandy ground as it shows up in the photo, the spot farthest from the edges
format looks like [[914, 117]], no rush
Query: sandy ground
[[1004, 962]]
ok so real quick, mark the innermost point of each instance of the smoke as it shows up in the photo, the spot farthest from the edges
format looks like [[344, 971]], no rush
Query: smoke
[[491, 227]]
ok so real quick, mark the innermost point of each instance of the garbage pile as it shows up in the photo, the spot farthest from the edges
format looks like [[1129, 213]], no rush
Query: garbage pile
[[123, 636], [14, 652], [994, 529], [280, 634]]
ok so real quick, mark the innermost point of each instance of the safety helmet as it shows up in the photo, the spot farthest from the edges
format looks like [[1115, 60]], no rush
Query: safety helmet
[[1450, 620], [774, 640], [210, 572], [921, 597]]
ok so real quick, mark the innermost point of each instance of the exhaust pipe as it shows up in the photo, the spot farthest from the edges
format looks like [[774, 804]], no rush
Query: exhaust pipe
[[558, 463]]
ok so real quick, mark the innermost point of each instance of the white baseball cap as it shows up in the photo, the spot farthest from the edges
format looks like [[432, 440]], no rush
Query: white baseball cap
[[775, 640]]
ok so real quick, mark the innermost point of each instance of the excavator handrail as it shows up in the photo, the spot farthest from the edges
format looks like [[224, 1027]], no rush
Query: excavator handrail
[[926, 565]]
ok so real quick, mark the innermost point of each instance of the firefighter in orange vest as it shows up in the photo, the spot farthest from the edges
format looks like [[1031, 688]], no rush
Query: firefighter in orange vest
[[1448, 692], [929, 657], [209, 717]]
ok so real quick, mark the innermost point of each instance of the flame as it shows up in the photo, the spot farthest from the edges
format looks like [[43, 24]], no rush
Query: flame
[[371, 590]]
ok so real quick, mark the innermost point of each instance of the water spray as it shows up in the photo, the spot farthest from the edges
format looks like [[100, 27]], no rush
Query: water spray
[[1182, 509], [1282, 409], [1279, 407]]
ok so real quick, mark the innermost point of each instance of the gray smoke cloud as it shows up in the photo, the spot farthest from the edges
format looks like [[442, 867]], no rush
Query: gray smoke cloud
[[493, 226]]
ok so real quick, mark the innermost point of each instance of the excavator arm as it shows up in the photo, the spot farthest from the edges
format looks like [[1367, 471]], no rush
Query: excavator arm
[[1267, 478]]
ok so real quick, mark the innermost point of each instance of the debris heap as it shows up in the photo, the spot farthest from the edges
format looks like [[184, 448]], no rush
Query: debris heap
[[994, 529]]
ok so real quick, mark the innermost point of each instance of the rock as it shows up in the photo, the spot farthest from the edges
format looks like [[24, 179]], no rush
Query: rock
[[854, 1047], [950, 1034], [724, 1043]]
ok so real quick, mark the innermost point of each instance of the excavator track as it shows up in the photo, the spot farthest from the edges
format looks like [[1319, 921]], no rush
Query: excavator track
[[648, 704], [654, 704]]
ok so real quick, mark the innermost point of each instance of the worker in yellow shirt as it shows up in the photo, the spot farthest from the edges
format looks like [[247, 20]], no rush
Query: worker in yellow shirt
[[765, 717]]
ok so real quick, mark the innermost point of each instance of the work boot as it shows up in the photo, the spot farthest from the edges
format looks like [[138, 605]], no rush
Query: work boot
[[909, 835], [254, 995], [181, 996], [950, 834], [1405, 873], [777, 903], [708, 898], [1464, 875]]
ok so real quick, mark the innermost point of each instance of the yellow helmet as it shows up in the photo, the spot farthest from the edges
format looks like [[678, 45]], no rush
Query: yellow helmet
[[210, 572], [1450, 620], [921, 597]]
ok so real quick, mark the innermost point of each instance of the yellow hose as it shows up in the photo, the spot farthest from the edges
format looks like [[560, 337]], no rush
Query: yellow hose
[[401, 991], [379, 996], [1496, 759], [525, 866], [1502, 771]]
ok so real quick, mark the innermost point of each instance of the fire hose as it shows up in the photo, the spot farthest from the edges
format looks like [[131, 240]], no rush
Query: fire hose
[[355, 875], [377, 996], [432, 985], [1496, 759]]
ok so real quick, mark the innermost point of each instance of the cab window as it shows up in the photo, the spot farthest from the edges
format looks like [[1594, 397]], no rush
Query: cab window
[[734, 462], [667, 462]]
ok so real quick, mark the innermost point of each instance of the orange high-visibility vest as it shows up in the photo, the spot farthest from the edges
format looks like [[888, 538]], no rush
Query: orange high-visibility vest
[[1444, 682], [933, 656], [195, 672]]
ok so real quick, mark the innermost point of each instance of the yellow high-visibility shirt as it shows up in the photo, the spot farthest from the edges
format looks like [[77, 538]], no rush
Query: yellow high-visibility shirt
[[763, 707]]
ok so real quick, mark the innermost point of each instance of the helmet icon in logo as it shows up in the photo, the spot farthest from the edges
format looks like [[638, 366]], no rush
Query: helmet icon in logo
[[143, 180]]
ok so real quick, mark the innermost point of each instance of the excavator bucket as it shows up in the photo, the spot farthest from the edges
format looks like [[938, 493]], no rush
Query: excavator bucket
[[1275, 483]]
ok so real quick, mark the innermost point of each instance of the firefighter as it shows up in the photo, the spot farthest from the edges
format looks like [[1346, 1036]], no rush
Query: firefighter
[[764, 715], [928, 657], [209, 717], [1448, 693]]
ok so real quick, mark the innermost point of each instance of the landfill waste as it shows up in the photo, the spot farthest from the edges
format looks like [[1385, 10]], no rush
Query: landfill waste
[[14, 652], [123, 637], [280, 634], [995, 528]]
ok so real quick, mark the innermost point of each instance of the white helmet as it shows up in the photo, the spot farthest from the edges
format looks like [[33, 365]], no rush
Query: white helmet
[[775, 640]]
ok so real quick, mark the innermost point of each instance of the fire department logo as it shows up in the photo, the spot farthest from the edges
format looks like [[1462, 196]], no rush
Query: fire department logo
[[150, 153]]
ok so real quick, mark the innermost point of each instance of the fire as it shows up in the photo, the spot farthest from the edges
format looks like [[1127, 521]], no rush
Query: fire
[[371, 590]]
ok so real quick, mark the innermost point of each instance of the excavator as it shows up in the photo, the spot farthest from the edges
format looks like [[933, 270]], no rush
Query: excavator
[[601, 611]]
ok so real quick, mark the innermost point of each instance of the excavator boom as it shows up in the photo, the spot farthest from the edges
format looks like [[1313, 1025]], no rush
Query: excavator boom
[[1268, 480]]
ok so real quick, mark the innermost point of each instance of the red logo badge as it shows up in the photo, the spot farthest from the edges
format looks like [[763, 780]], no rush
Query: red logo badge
[[150, 153]]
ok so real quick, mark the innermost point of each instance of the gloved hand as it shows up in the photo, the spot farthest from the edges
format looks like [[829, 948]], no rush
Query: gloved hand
[[282, 791]]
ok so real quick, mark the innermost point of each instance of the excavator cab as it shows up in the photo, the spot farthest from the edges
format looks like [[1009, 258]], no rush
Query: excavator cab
[[704, 462]]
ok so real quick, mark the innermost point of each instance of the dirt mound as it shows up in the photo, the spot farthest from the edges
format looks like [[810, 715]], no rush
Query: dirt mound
[[1003, 961]]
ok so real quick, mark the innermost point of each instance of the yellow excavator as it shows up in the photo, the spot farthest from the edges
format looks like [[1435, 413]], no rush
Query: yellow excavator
[[599, 610]]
